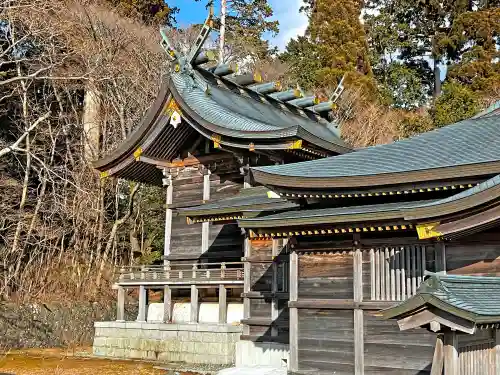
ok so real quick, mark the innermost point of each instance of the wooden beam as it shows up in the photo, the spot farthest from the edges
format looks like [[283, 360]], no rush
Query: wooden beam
[[294, 314], [438, 359], [141, 316], [222, 304], [167, 304], [168, 220], [340, 304], [194, 304], [120, 305], [451, 365]]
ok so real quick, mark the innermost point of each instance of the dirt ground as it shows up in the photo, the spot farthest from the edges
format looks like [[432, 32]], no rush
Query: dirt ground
[[60, 362]]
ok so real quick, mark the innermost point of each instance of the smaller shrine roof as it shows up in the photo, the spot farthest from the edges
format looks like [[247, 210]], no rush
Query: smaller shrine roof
[[467, 148], [332, 215], [480, 195], [249, 202], [473, 298]]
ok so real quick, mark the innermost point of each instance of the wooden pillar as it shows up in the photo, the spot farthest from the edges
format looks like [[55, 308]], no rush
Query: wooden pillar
[[438, 359], [246, 284], [205, 227], [497, 351], [222, 304], [167, 304], [120, 305], [294, 313], [274, 302], [440, 257], [359, 351], [141, 317], [194, 304], [168, 218], [451, 353]]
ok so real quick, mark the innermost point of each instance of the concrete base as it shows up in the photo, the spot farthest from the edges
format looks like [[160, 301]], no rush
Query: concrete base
[[249, 354], [190, 343]]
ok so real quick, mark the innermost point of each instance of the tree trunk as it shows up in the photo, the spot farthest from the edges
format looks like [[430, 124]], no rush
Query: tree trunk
[[91, 124], [117, 224], [223, 11]]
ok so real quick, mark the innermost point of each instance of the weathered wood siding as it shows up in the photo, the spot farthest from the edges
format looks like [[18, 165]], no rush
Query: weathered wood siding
[[476, 255], [186, 239], [388, 350], [326, 341], [225, 241], [326, 276]]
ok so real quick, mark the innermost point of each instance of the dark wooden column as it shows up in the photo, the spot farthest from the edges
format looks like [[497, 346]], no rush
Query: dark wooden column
[[294, 314]]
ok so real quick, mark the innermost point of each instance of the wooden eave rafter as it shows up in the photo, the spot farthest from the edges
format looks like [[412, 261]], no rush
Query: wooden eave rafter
[[403, 190], [448, 208], [479, 170], [325, 230]]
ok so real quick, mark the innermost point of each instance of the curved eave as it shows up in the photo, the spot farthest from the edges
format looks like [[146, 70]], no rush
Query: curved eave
[[426, 300], [447, 207], [384, 179], [273, 139], [407, 212], [243, 209], [468, 225], [127, 148], [319, 220]]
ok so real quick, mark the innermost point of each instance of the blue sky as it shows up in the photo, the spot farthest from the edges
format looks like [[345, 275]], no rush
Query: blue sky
[[292, 23]]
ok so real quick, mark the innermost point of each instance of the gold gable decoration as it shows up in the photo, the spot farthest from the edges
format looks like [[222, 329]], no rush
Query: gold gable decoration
[[427, 230]]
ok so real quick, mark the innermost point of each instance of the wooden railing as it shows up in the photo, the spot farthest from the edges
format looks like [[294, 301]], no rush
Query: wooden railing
[[231, 272]]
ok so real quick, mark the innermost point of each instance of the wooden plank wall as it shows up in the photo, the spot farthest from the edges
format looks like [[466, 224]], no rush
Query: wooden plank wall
[[326, 341], [326, 276], [186, 239], [330, 338], [388, 350], [476, 255], [263, 324]]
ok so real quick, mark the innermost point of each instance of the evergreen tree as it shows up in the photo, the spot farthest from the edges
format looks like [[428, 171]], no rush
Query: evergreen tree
[[425, 35], [246, 22], [335, 44]]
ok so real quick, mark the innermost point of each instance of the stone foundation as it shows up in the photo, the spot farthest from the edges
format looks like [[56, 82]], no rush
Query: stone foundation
[[190, 343], [249, 354]]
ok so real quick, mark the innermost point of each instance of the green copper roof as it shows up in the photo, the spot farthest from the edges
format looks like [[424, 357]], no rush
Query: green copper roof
[[483, 186], [388, 211], [233, 115], [331, 215], [257, 199], [466, 143], [473, 298]]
